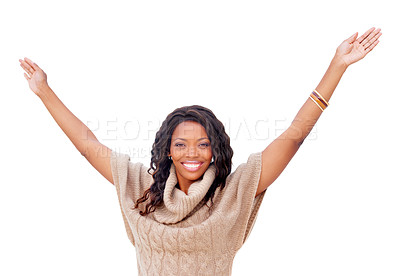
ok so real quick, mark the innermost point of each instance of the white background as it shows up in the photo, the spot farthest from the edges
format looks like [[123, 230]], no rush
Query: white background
[[333, 211]]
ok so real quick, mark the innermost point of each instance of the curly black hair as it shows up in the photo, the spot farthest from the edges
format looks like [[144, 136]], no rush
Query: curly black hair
[[160, 164]]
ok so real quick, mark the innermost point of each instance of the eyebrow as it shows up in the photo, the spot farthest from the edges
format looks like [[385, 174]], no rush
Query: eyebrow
[[186, 139]]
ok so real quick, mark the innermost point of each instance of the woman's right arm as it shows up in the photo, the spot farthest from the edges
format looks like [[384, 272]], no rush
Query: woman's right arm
[[80, 135]]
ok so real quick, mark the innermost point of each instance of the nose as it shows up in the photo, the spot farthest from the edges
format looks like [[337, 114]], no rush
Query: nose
[[192, 151]]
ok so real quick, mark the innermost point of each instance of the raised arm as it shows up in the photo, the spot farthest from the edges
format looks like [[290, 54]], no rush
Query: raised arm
[[80, 135], [278, 154]]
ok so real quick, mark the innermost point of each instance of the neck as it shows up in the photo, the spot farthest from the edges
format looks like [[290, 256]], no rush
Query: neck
[[184, 185]]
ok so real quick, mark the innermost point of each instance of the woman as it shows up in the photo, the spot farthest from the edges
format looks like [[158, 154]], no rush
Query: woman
[[188, 214]]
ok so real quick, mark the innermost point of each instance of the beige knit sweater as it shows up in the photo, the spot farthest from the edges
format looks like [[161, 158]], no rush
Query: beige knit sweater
[[181, 237]]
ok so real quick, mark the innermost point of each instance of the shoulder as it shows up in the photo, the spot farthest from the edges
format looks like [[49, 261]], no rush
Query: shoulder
[[128, 171], [250, 169]]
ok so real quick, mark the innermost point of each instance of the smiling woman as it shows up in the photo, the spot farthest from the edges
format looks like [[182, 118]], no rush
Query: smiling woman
[[190, 139], [197, 214], [190, 152]]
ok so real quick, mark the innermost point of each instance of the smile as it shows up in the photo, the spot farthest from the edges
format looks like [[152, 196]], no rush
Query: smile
[[192, 166]]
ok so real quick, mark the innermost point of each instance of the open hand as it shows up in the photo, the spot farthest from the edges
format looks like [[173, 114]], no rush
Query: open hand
[[35, 76], [353, 49]]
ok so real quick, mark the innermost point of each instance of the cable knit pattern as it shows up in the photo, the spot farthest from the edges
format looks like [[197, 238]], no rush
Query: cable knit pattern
[[177, 205], [181, 237]]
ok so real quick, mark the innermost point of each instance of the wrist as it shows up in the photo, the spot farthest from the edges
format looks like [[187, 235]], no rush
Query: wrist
[[44, 91], [338, 63]]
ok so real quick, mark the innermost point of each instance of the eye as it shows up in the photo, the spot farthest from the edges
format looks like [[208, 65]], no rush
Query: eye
[[179, 145], [204, 145]]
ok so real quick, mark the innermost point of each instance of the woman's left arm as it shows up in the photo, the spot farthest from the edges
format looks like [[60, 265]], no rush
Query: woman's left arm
[[278, 154]]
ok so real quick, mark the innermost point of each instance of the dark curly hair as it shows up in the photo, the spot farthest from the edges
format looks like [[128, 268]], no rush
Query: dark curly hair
[[160, 164]]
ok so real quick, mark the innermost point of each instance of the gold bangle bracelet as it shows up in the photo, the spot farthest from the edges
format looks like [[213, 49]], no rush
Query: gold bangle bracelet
[[316, 103], [327, 103], [318, 100]]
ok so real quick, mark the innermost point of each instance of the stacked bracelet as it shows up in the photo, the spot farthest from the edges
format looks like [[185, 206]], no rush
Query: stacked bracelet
[[319, 100]]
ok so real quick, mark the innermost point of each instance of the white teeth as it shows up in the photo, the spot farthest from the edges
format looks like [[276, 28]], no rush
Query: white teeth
[[191, 165]]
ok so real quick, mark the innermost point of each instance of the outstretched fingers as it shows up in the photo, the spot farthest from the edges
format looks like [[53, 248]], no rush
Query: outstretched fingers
[[365, 35], [372, 38], [26, 67], [29, 66], [32, 64], [372, 46]]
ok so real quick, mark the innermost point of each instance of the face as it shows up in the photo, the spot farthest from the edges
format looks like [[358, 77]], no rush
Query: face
[[190, 152]]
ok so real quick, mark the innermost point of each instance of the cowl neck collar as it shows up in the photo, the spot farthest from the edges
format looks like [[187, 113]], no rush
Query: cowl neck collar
[[176, 203]]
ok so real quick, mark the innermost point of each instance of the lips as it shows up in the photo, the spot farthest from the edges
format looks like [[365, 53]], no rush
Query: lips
[[192, 165]]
